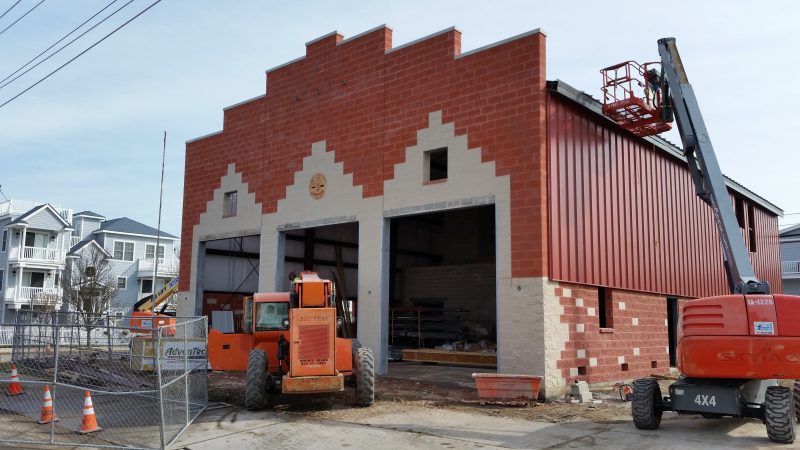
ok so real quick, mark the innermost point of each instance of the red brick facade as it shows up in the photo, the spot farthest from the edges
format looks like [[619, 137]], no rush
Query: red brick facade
[[367, 101], [640, 325]]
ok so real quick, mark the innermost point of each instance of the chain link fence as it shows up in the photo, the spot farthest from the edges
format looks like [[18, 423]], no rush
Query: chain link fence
[[146, 385]]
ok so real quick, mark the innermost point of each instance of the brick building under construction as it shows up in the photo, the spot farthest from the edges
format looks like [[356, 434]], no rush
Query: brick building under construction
[[464, 199]]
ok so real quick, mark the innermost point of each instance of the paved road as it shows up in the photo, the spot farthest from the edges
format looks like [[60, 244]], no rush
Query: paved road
[[423, 428]]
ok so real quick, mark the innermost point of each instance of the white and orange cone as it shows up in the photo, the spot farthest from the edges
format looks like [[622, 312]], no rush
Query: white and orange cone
[[89, 422], [47, 408], [14, 388]]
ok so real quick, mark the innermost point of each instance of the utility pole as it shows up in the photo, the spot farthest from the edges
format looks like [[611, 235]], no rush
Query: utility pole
[[158, 233]]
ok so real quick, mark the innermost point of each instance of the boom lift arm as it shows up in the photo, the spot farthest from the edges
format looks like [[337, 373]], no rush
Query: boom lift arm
[[708, 180]]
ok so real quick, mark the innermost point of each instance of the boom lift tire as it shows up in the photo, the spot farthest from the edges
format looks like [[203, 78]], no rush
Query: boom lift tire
[[365, 377], [646, 404], [255, 392], [797, 398], [779, 414]]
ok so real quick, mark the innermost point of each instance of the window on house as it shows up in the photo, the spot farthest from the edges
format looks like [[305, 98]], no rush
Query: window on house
[[147, 286], [36, 279], [122, 283], [751, 227], [229, 204], [5, 241], [150, 249], [57, 280], [2, 278], [123, 250], [436, 165]]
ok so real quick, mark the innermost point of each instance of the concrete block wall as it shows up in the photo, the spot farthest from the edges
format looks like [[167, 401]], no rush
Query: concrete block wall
[[633, 345], [467, 286]]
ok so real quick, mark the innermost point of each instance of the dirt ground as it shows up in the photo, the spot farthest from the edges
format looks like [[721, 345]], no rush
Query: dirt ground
[[396, 394]]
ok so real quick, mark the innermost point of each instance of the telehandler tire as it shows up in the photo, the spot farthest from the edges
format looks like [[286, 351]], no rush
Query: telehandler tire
[[797, 398], [255, 392], [365, 377], [646, 404], [779, 414]]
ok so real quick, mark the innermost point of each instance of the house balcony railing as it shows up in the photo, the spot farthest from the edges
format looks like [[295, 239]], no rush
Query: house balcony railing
[[14, 207], [74, 241], [37, 254], [35, 295], [166, 267], [790, 267]]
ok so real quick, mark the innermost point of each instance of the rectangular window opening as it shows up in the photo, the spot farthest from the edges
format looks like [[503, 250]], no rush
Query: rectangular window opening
[[604, 313], [624, 367], [5, 240], [738, 206], [582, 370], [150, 249], [2, 276], [122, 283], [147, 286], [436, 165], [123, 251], [751, 227], [654, 364], [229, 204]]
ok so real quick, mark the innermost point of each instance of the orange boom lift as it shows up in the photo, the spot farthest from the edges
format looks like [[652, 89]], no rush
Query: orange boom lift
[[731, 349], [289, 341]]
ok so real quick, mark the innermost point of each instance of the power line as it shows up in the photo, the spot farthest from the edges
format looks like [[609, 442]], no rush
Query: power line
[[57, 42], [62, 47], [10, 8], [20, 17], [80, 54]]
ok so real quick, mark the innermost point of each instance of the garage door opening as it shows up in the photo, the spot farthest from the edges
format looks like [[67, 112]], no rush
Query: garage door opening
[[332, 252], [442, 284], [230, 273]]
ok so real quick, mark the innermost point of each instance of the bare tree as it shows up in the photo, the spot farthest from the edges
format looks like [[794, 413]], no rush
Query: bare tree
[[89, 285]]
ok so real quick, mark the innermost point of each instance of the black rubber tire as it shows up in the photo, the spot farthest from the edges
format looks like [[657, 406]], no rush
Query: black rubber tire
[[255, 392], [646, 404], [796, 392], [365, 377], [351, 380], [779, 414]]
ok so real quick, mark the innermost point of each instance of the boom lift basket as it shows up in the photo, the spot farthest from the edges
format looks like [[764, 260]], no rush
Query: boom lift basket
[[632, 98]]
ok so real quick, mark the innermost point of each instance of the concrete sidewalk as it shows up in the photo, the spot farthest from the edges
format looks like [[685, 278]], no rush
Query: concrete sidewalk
[[421, 428]]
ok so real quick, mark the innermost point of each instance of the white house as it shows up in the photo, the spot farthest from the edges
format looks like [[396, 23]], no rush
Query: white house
[[37, 238], [34, 240]]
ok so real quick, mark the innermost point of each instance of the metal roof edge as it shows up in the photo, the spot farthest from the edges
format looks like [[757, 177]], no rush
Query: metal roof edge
[[285, 64], [423, 38], [244, 101], [203, 137], [363, 33], [593, 105], [499, 43]]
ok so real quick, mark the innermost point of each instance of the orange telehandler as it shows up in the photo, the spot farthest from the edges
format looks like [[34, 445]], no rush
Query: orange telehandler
[[289, 340], [732, 349]]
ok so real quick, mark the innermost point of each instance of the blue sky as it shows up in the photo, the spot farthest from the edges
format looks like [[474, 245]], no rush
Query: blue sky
[[90, 136]]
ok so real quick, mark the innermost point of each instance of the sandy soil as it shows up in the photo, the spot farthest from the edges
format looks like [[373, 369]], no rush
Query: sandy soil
[[396, 393]]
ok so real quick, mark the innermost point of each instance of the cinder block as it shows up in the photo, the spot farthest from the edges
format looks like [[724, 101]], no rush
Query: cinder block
[[580, 391]]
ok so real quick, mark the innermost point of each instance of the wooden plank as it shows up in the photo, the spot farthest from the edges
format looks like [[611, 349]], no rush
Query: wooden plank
[[444, 356]]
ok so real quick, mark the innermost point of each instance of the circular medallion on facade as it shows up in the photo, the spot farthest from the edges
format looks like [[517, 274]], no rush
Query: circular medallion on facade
[[317, 186]]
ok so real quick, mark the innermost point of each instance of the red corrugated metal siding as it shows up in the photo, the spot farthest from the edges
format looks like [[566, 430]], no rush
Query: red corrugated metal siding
[[623, 214]]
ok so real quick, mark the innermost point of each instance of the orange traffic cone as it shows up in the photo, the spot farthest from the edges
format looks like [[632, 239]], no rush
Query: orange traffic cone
[[47, 408], [89, 422], [14, 388]]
